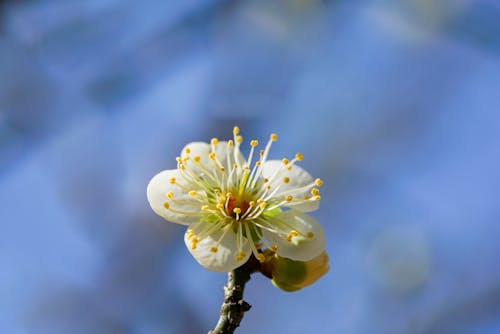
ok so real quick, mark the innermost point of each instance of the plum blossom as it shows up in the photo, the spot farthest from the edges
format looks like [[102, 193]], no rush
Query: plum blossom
[[234, 207]]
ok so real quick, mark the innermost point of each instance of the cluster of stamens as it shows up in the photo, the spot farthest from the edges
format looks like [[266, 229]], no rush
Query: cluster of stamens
[[235, 196]]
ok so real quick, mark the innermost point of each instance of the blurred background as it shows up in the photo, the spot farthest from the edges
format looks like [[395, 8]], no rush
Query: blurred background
[[395, 104]]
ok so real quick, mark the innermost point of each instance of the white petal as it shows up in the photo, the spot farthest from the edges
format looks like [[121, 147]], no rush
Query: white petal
[[300, 248], [224, 259], [298, 178], [203, 150], [157, 191]]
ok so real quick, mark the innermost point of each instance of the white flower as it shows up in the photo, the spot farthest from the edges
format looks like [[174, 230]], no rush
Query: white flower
[[235, 207]]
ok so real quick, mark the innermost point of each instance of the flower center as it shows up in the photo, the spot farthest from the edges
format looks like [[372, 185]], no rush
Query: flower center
[[240, 206]]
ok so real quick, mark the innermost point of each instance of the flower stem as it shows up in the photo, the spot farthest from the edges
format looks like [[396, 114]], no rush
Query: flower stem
[[234, 307]]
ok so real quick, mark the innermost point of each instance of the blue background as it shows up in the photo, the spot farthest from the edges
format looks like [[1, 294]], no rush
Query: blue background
[[395, 104]]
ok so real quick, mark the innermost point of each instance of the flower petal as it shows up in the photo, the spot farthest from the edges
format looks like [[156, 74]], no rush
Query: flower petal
[[307, 245], [297, 178], [157, 191], [222, 260]]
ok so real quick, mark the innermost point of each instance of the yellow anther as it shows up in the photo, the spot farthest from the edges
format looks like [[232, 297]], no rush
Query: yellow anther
[[310, 235], [189, 233], [220, 206], [315, 191], [266, 180], [182, 166], [251, 204], [246, 168], [299, 156], [318, 182], [285, 161], [194, 242], [263, 205], [222, 169], [317, 197], [268, 187], [260, 257], [274, 137], [229, 195], [241, 256], [192, 193], [254, 143], [205, 207], [187, 150], [289, 168], [261, 152], [197, 158], [230, 143], [292, 234], [212, 155], [214, 141], [236, 130], [289, 198], [178, 159], [166, 205], [286, 179], [170, 194], [258, 163], [239, 139], [237, 210], [260, 200], [185, 159], [172, 180], [214, 249], [306, 197], [235, 166], [273, 248]]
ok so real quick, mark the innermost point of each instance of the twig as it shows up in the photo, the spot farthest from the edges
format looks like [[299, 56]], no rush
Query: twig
[[234, 307]]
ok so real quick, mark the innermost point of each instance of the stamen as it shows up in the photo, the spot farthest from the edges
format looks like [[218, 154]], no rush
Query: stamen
[[255, 252], [318, 182], [241, 256], [166, 205], [292, 234]]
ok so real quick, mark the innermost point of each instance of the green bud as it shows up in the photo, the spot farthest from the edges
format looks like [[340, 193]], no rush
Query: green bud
[[290, 275]]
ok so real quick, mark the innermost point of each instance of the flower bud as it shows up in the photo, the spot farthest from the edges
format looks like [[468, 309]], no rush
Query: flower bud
[[290, 275]]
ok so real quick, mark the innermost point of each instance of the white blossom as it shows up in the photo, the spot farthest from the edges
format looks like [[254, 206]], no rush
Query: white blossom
[[234, 207]]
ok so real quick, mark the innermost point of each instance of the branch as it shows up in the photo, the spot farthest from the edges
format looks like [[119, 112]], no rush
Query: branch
[[234, 307]]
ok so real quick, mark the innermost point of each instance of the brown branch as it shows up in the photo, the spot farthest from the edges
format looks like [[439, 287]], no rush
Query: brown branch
[[234, 307]]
